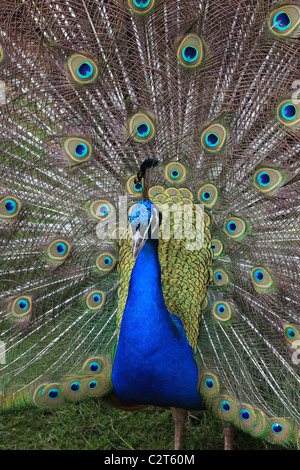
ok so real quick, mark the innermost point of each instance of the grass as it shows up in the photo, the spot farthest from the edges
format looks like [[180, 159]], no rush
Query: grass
[[93, 425]]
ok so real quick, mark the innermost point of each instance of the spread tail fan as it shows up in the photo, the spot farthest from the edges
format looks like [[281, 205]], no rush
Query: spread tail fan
[[121, 119]]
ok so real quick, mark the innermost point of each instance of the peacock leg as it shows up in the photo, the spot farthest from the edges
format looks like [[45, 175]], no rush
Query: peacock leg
[[228, 436], [179, 416]]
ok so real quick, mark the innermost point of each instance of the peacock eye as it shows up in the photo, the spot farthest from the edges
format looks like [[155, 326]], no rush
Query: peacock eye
[[211, 140], [282, 20], [105, 262], [234, 227], [213, 137], [285, 21], [245, 414], [61, 248], [53, 393], [23, 304], [175, 172], [134, 188], [141, 128], [289, 113], [291, 333], [277, 428], [186, 194], [141, 3], [72, 388], [9, 208], [94, 367], [190, 54], [190, 51], [209, 383], [101, 209], [58, 250], [261, 278], [208, 195], [267, 179], [95, 299], [263, 178], [75, 386], [49, 395], [93, 385], [259, 275], [217, 247], [81, 150], [21, 307], [222, 311], [141, 6], [77, 149], [173, 195], [225, 405], [220, 278], [83, 69], [138, 187]]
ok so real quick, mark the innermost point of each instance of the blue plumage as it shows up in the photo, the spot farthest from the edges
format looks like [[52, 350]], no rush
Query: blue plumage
[[154, 362]]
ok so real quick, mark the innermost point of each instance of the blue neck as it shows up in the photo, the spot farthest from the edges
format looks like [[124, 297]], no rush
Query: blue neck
[[154, 363], [145, 292], [146, 269]]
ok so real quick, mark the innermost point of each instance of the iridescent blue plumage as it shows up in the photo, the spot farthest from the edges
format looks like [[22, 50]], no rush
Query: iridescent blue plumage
[[154, 362]]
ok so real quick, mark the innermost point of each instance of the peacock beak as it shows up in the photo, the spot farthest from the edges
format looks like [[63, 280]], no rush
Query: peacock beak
[[137, 244]]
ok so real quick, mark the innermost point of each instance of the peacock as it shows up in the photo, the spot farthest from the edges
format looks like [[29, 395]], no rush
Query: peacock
[[149, 198]]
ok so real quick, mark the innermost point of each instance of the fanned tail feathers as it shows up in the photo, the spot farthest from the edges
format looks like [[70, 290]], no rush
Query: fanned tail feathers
[[93, 88]]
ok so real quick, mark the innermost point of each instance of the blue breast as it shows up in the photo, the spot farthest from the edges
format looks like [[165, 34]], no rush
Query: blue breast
[[154, 362]]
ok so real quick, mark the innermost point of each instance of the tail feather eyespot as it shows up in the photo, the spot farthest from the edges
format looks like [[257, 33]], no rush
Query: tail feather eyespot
[[82, 68]]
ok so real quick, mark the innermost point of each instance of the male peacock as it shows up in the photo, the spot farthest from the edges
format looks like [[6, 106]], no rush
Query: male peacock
[[166, 107]]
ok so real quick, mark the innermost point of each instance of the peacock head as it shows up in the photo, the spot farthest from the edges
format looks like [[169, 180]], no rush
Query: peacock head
[[144, 220], [144, 217]]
